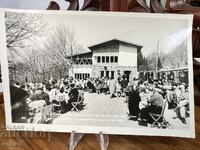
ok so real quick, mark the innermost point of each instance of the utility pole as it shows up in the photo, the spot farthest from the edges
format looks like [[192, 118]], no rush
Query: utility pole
[[157, 57]]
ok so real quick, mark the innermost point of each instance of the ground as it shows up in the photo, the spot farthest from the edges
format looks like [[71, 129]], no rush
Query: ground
[[101, 110]]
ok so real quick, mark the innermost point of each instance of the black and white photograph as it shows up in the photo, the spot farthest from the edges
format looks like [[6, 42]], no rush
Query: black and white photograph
[[119, 73], [196, 64], [1, 86]]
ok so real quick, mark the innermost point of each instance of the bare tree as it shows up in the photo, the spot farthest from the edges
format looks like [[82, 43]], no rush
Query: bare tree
[[21, 29], [178, 57], [53, 60], [61, 46], [37, 64]]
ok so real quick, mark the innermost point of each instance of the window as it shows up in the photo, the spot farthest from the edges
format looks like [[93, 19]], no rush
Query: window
[[112, 74], [98, 59], [102, 73], [81, 76], [111, 59], [107, 74], [116, 59], [107, 59], [103, 59]]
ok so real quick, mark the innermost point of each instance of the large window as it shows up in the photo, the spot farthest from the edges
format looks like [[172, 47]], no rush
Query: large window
[[103, 59], [111, 59], [107, 59], [107, 74], [112, 74], [116, 59], [98, 59], [102, 73]]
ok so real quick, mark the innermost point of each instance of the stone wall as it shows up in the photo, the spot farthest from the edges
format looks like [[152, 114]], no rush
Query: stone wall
[[96, 71]]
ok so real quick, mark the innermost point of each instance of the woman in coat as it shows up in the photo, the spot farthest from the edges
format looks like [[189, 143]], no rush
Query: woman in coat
[[133, 101], [112, 87]]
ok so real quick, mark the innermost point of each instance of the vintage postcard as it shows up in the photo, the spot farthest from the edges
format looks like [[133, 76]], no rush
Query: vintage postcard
[[118, 73], [1, 86]]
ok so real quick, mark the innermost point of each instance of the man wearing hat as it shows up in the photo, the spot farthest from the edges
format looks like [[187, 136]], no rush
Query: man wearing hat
[[40, 95], [155, 106]]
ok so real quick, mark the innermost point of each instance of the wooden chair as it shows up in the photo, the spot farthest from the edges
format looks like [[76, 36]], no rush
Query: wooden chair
[[159, 119]]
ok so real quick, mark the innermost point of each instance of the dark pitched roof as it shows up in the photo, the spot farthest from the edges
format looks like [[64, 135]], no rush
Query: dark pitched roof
[[104, 42], [115, 39]]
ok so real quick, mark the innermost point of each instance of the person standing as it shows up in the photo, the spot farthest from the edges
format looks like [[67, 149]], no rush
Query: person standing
[[98, 86], [124, 84], [119, 75], [132, 92], [112, 87]]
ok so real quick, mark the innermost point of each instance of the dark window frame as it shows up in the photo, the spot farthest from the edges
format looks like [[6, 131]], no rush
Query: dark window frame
[[116, 59], [111, 59], [98, 59], [107, 59], [103, 59]]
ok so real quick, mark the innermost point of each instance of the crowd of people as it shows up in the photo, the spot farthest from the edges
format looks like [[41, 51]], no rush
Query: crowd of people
[[150, 96], [142, 97]]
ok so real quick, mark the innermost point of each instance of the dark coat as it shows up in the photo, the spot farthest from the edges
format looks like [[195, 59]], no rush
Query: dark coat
[[18, 104], [73, 95], [133, 102]]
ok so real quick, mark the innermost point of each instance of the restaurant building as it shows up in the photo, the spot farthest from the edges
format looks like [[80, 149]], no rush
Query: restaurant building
[[104, 59]]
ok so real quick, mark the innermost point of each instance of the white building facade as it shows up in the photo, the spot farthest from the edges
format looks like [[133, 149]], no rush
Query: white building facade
[[106, 59]]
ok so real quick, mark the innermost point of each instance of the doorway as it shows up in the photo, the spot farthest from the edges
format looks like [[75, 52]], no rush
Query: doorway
[[127, 74]]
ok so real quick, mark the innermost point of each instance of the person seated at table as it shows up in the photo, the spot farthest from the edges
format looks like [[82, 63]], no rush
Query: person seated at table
[[53, 94], [91, 87], [155, 104], [182, 104], [172, 97], [40, 95], [73, 96]]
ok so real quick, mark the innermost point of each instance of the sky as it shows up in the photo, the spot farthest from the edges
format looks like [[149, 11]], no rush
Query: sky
[[144, 31]]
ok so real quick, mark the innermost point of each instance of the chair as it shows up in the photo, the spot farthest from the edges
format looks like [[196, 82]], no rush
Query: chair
[[56, 106], [159, 119], [47, 114], [79, 103]]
